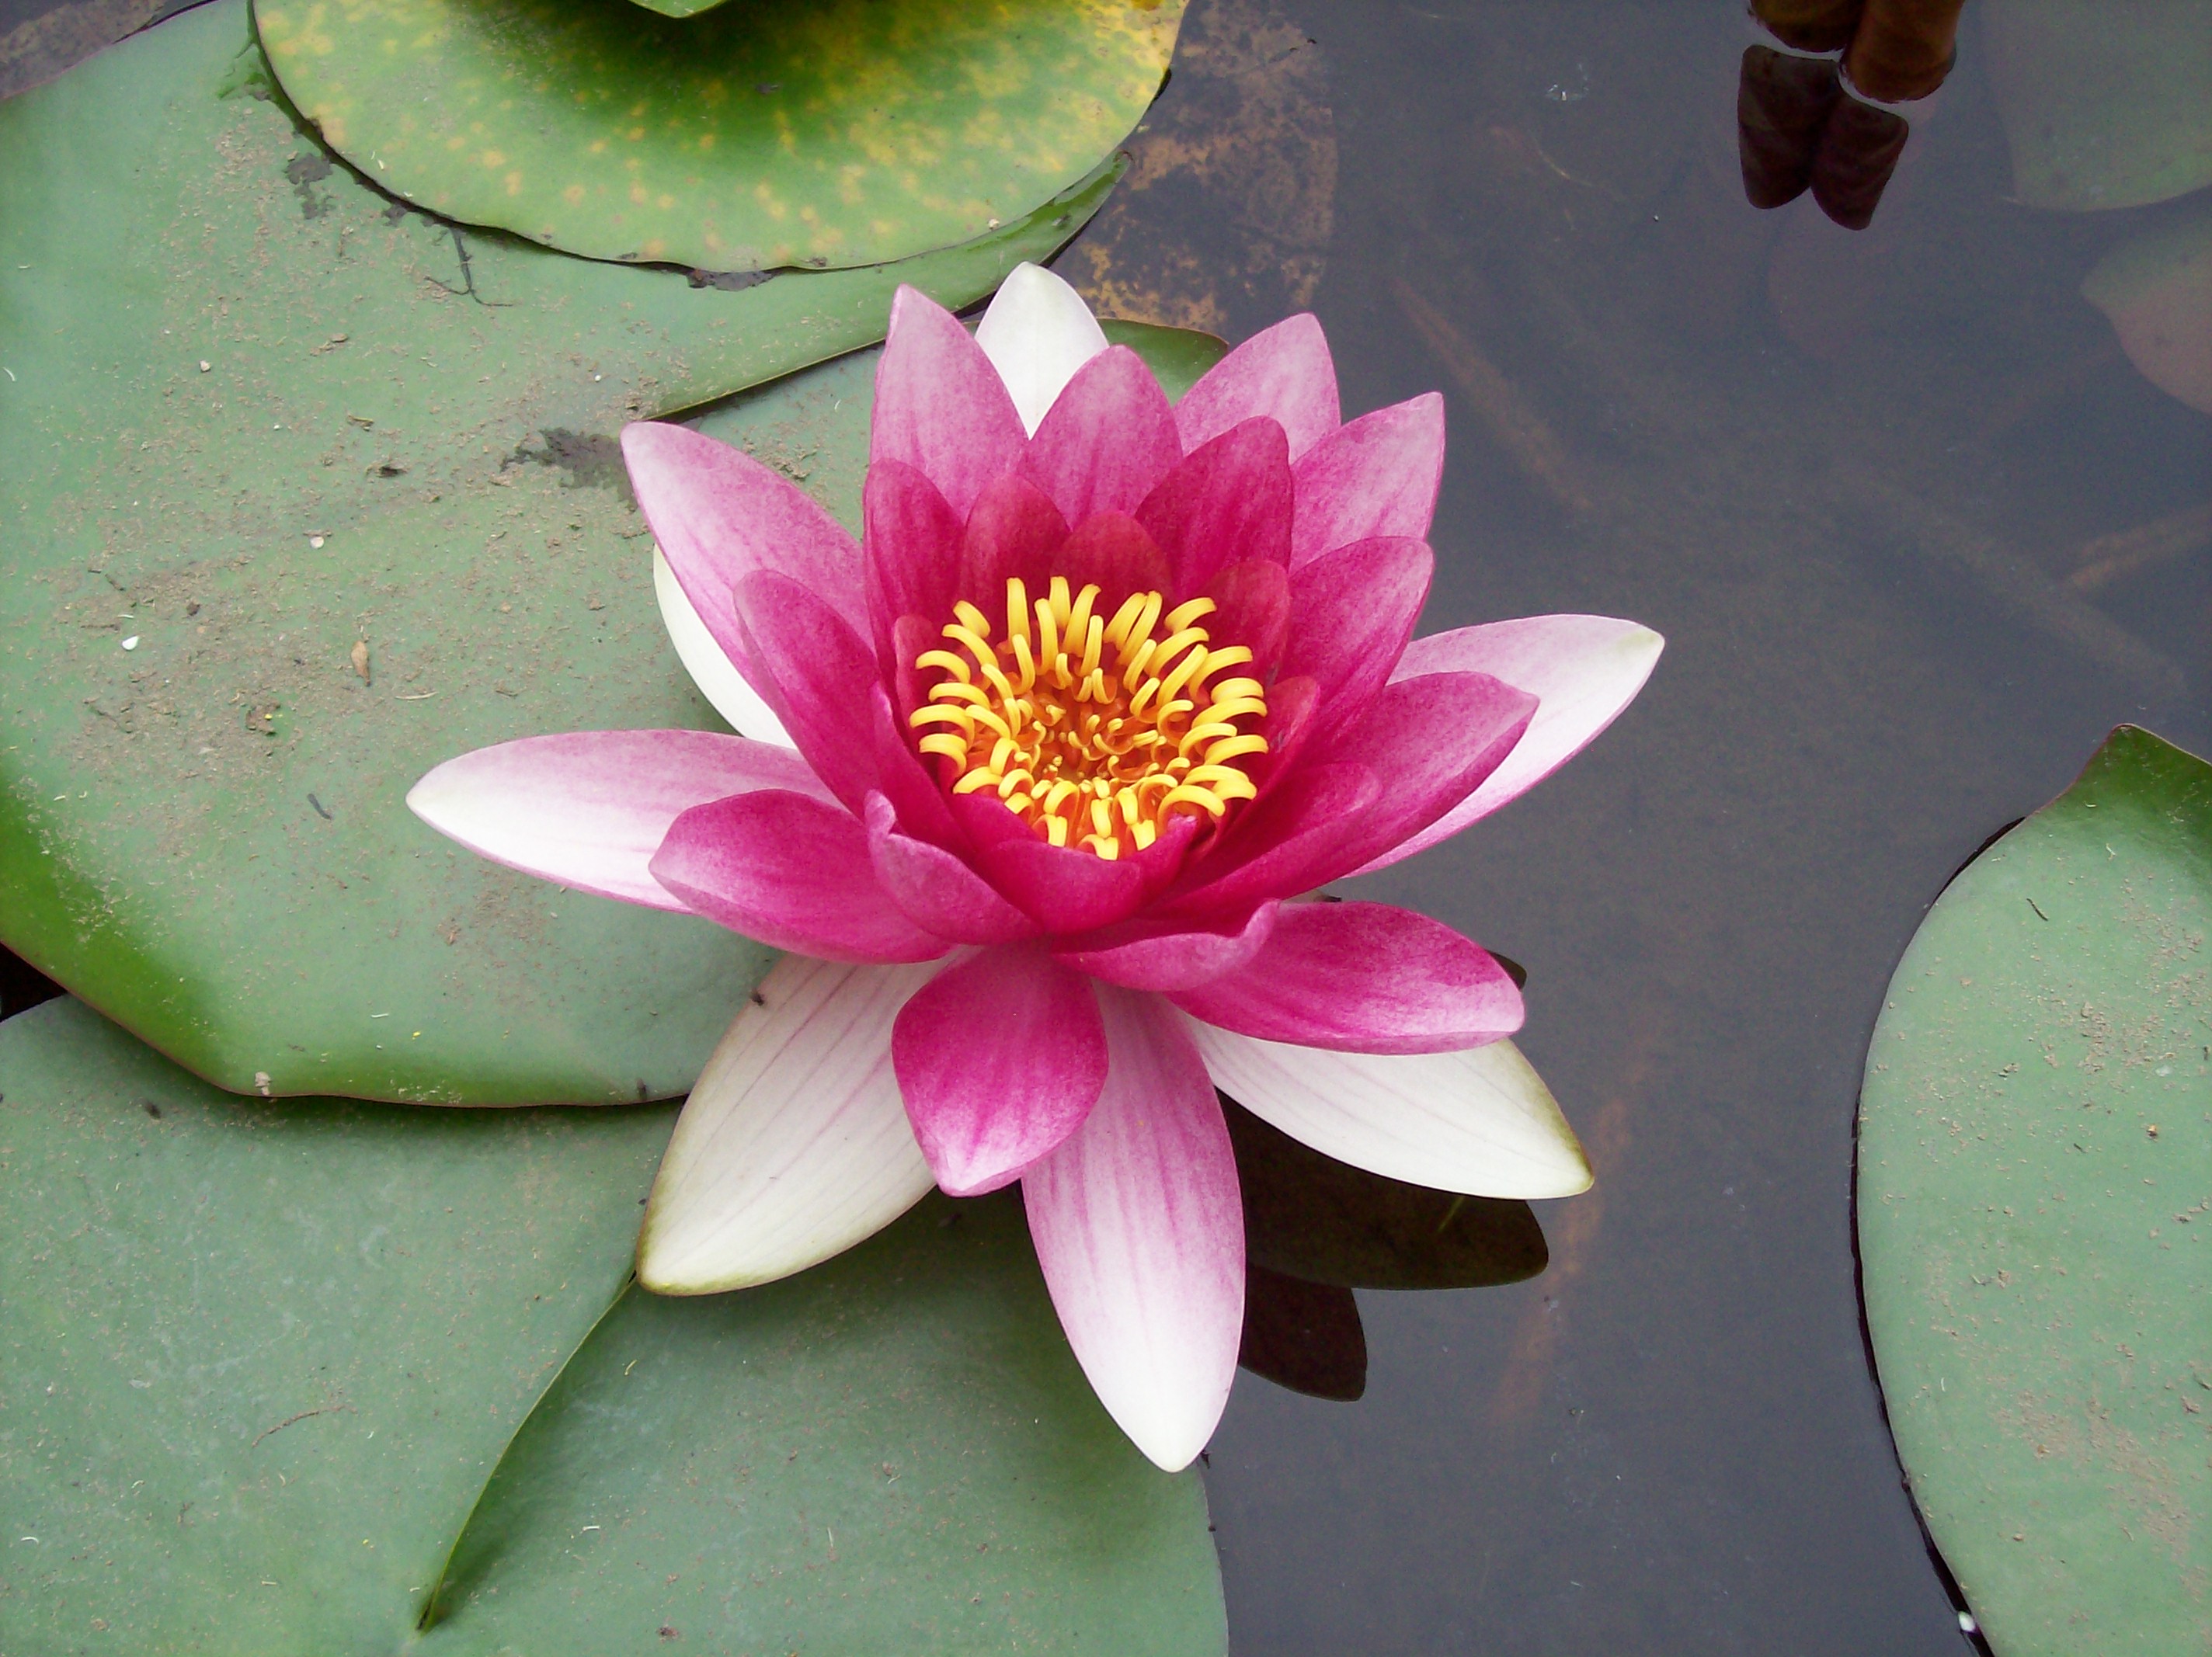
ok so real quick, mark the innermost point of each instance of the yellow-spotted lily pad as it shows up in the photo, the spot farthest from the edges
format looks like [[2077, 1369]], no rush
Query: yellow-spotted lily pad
[[770, 134]]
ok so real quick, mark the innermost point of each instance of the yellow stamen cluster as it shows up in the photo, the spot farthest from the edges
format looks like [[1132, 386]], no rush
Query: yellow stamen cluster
[[1093, 729]]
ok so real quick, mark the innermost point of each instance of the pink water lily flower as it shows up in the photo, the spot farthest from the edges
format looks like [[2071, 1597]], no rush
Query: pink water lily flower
[[1031, 783]]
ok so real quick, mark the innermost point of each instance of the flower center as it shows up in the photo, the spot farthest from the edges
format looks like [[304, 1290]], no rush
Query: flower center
[[1093, 729]]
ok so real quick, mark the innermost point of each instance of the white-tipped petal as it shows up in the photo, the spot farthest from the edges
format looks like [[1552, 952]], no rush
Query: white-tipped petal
[[793, 1146], [718, 680], [1038, 332], [1582, 670], [1479, 1121], [1140, 1228]]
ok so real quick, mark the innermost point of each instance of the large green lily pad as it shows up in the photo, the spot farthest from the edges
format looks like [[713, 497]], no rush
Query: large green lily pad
[[269, 1368], [2100, 115], [2034, 1136], [769, 134], [304, 493]]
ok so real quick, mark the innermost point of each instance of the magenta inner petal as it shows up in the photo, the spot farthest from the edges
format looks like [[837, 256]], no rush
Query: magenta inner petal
[[1065, 889], [821, 672], [1291, 839], [791, 871], [1376, 476], [1113, 551], [908, 782], [1013, 530], [1229, 501], [1109, 440], [1284, 373], [935, 890], [911, 549], [1254, 600], [1429, 741], [1140, 955], [999, 1060], [940, 406], [1351, 613], [1363, 978]]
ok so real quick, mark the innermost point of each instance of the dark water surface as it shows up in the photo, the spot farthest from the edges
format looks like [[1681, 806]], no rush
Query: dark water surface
[[1848, 476], [1855, 478]]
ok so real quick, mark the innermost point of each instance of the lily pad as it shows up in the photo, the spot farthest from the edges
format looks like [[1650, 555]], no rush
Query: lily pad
[[261, 1359], [2097, 115], [893, 1452], [2033, 1226], [306, 493], [770, 134]]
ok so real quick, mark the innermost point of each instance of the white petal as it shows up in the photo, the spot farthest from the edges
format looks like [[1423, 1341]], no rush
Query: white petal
[[719, 682], [1139, 1229], [793, 1146], [1583, 670], [1037, 333], [1479, 1121]]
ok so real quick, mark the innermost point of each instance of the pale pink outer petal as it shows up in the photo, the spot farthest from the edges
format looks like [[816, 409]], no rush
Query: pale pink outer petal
[[790, 869], [1376, 476], [718, 515], [1038, 332], [1362, 978], [999, 1059], [1140, 1228], [794, 1145], [588, 809], [1284, 372], [709, 665], [1585, 669], [1481, 1122], [940, 406]]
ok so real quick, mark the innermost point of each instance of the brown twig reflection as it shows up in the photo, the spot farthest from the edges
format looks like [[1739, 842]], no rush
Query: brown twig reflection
[[2165, 540], [1529, 1363], [1512, 421]]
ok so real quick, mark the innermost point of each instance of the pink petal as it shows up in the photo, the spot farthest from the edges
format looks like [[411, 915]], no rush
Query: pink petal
[[1430, 741], [1352, 612], [1586, 669], [1109, 439], [1227, 502], [1012, 530], [1156, 955], [588, 809], [935, 890], [1038, 332], [1284, 373], [914, 797], [1376, 476], [1139, 1229], [816, 674], [1363, 978], [1281, 845], [911, 544], [1000, 1059], [940, 406], [1113, 550], [790, 869], [708, 663], [719, 515], [1064, 890], [1253, 608]]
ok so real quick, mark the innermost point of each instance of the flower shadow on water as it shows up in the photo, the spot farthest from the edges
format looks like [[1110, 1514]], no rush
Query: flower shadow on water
[[1315, 1229]]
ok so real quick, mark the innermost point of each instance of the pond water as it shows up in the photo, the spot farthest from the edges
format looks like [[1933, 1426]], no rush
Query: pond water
[[1918, 533], [1849, 475]]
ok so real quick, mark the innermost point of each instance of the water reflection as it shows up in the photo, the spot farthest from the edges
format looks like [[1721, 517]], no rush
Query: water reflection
[[1315, 1229]]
